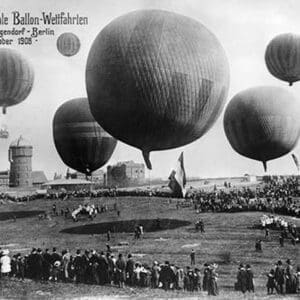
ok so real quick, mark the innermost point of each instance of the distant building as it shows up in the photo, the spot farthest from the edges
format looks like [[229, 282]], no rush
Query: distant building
[[97, 178], [20, 155], [38, 178], [127, 173], [4, 178], [250, 178], [67, 184]]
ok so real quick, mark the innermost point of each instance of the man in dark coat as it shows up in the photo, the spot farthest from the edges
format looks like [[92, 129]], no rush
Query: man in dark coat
[[242, 279], [55, 256], [103, 269], [130, 269], [47, 260], [205, 276], [167, 276], [279, 277], [111, 268], [78, 267], [94, 261], [192, 255], [39, 264], [250, 283], [121, 270]]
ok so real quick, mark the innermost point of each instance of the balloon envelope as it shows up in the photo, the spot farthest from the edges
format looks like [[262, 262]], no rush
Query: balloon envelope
[[79, 140], [283, 57], [16, 78], [262, 123], [156, 80], [68, 44]]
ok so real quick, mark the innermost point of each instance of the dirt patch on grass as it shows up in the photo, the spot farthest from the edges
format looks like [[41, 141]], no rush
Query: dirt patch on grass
[[149, 225], [7, 215]]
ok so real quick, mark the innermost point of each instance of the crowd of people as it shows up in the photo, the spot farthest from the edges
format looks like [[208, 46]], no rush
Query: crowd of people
[[91, 267], [274, 197]]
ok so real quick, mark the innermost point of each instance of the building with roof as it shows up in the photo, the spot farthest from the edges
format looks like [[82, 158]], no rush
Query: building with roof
[[127, 173], [20, 158], [38, 178], [4, 178], [67, 184]]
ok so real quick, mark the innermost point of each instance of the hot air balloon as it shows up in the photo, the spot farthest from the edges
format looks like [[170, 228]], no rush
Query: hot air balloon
[[283, 57], [262, 123], [68, 44], [16, 78], [156, 80], [79, 140]]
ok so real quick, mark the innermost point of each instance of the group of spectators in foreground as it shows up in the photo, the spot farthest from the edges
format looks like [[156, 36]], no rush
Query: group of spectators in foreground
[[91, 267]]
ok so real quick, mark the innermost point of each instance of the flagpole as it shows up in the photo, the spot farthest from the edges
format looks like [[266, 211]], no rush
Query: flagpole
[[149, 186]]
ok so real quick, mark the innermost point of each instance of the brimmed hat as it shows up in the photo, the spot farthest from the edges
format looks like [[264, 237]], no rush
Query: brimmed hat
[[5, 252]]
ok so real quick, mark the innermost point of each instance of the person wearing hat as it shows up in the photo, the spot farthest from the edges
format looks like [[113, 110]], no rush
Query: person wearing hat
[[212, 281], [121, 268], [5, 263], [130, 269], [78, 267], [47, 261], [242, 279], [205, 276], [279, 277], [103, 269], [271, 282], [250, 282], [290, 281]]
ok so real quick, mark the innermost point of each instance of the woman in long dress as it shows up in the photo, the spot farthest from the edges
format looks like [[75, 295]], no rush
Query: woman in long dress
[[212, 281]]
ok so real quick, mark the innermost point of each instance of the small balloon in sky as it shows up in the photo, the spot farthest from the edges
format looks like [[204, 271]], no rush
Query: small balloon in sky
[[68, 44], [283, 57]]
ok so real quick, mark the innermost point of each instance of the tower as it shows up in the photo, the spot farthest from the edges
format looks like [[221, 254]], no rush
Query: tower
[[19, 155]]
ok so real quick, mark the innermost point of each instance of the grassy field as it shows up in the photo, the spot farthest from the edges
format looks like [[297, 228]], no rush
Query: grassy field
[[226, 236]]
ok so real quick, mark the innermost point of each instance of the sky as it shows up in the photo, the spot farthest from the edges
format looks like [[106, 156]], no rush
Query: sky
[[243, 27]]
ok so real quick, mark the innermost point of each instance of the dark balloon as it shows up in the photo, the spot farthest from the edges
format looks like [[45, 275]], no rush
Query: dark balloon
[[283, 57], [79, 140], [16, 78], [263, 123], [156, 80], [68, 44]]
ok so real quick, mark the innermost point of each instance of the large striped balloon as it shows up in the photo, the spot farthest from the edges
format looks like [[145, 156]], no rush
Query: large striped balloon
[[16, 78], [156, 80], [283, 57], [79, 140], [263, 123], [68, 44]]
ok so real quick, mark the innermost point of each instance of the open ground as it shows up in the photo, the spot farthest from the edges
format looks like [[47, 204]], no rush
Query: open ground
[[229, 239]]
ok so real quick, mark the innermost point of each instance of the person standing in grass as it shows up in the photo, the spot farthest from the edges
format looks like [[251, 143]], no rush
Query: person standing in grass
[[121, 270], [212, 281], [5, 263], [250, 281], [271, 282], [193, 258], [279, 277], [205, 277]]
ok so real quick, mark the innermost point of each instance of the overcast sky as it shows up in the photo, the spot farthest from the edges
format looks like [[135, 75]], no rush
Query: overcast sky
[[244, 28]]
